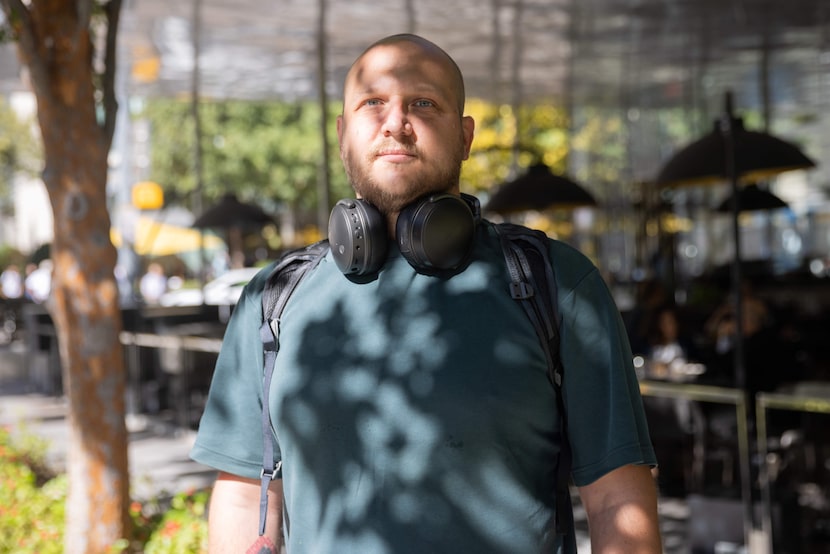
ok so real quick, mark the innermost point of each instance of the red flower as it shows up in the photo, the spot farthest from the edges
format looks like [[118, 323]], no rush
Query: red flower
[[171, 528]]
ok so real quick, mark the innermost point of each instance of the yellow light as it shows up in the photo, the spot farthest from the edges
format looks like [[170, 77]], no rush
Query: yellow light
[[147, 195], [146, 70]]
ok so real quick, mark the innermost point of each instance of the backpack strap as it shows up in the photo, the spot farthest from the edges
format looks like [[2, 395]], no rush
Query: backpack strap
[[532, 282], [282, 282]]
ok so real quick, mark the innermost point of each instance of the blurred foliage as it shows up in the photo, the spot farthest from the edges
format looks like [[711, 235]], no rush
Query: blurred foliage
[[600, 141], [10, 255], [32, 502], [33, 508], [267, 151], [270, 151], [180, 528], [543, 138], [20, 150]]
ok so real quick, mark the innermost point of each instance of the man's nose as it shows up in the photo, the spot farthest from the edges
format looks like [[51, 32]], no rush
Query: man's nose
[[396, 122]]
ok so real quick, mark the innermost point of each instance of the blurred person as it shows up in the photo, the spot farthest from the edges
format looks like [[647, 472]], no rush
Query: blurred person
[[38, 283], [673, 421], [670, 351], [11, 282], [153, 283], [721, 325], [651, 295], [766, 361]]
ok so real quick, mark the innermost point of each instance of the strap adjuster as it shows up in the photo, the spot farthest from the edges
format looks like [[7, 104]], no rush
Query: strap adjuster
[[521, 290], [273, 474]]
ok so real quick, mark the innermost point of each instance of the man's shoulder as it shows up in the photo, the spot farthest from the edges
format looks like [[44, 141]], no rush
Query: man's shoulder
[[306, 258], [561, 253], [260, 279]]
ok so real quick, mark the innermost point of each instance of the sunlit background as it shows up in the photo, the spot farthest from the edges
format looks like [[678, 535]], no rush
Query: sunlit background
[[602, 91]]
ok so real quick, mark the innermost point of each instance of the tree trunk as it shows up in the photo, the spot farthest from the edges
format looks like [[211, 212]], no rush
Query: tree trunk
[[85, 309], [55, 44]]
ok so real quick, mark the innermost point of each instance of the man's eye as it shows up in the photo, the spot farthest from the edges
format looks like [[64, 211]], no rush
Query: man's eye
[[424, 103], [372, 102]]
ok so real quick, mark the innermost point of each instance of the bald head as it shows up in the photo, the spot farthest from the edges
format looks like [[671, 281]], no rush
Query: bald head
[[403, 133], [412, 50]]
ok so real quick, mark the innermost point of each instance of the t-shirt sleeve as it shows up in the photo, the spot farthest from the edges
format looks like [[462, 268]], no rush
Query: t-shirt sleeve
[[607, 427], [230, 430]]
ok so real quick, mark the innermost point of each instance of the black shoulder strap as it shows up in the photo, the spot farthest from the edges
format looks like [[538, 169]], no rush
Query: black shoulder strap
[[532, 282], [526, 254], [282, 282]]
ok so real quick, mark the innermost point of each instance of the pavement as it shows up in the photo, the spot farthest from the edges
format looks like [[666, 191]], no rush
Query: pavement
[[158, 449]]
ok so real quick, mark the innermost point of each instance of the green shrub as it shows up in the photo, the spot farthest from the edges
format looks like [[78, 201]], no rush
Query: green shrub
[[183, 528], [32, 509], [31, 503]]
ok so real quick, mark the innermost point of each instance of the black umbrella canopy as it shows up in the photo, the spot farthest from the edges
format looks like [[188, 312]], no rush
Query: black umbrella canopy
[[230, 212], [538, 189], [757, 156], [753, 198], [42, 252]]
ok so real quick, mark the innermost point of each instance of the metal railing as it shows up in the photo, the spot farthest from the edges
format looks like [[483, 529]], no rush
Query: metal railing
[[791, 401], [720, 395]]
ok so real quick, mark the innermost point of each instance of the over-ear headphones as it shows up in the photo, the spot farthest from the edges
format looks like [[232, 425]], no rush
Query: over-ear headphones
[[434, 234]]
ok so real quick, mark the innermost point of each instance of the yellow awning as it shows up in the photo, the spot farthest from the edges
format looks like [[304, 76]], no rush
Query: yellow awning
[[153, 239]]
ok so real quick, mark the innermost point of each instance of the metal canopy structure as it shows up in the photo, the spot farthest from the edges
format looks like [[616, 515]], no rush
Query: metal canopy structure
[[586, 52], [632, 56]]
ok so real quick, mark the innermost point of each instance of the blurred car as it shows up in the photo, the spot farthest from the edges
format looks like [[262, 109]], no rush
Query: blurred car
[[224, 290]]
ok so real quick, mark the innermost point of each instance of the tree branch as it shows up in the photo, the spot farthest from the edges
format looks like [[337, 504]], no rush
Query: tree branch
[[112, 10], [20, 22], [84, 11]]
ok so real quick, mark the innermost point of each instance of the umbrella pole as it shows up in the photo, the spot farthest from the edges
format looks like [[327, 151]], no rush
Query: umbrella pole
[[737, 295], [728, 130]]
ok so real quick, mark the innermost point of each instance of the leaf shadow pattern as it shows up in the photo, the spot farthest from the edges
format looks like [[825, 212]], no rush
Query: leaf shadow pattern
[[394, 417]]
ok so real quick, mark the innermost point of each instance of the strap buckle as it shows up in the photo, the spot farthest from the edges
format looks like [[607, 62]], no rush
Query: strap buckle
[[273, 474]]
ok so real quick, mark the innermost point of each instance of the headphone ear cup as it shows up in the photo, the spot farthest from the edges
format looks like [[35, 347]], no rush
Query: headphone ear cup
[[436, 233], [358, 237]]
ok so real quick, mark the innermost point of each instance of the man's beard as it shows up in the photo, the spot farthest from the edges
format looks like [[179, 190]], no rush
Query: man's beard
[[387, 202]]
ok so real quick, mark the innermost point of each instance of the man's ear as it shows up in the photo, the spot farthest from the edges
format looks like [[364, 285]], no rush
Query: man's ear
[[468, 126], [340, 129]]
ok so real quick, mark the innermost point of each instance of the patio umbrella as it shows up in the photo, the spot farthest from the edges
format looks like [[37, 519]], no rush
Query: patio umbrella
[[757, 156], [538, 189], [234, 217], [753, 198], [733, 154], [230, 212]]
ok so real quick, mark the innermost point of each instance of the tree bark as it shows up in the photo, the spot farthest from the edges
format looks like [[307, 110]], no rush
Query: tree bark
[[55, 43]]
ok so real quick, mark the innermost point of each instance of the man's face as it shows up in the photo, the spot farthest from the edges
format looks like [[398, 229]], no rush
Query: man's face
[[401, 133]]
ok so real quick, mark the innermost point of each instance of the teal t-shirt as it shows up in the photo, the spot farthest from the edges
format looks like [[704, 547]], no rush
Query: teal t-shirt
[[414, 413]]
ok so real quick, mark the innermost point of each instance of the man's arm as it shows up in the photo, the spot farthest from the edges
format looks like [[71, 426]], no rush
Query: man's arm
[[622, 512], [233, 519]]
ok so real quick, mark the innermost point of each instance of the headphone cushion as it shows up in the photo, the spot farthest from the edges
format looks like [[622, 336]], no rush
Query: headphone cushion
[[436, 233]]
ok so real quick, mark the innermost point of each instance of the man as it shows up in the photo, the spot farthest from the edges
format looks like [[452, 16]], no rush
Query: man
[[412, 412]]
